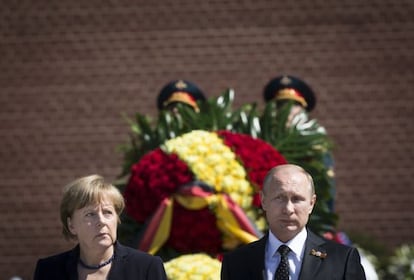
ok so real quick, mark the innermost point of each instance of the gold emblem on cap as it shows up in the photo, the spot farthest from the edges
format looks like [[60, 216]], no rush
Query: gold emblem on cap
[[180, 84], [285, 80]]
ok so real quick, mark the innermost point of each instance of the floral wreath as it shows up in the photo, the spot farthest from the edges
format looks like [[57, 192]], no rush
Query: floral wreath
[[230, 166], [191, 180]]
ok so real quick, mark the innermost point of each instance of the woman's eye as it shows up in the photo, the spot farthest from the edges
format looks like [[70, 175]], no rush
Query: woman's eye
[[89, 214]]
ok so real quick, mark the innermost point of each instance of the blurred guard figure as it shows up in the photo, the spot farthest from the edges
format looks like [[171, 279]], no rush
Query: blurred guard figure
[[288, 88], [285, 89], [179, 91]]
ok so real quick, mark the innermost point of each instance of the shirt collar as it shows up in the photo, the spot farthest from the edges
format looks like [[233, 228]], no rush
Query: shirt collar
[[296, 244]]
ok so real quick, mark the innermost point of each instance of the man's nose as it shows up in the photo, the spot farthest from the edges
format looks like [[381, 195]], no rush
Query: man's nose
[[289, 206]]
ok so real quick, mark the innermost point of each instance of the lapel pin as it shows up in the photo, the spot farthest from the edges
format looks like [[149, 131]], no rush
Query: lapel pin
[[318, 254]]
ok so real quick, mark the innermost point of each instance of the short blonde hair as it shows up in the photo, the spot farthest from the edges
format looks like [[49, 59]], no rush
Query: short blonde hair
[[86, 191]]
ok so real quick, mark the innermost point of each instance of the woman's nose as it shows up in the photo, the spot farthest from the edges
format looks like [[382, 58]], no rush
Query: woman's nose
[[100, 218]]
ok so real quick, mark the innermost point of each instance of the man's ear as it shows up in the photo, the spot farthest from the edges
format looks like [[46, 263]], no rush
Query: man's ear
[[312, 203], [262, 200]]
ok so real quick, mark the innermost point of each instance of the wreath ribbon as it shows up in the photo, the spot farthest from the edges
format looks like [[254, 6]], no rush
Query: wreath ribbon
[[231, 219]]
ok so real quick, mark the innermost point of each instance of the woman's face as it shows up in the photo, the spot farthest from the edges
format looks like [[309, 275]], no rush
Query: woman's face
[[95, 225]]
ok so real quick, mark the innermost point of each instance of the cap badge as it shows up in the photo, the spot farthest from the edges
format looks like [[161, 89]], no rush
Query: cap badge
[[285, 80], [180, 84]]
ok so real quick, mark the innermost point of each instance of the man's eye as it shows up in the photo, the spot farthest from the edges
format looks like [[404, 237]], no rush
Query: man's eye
[[297, 199], [89, 214]]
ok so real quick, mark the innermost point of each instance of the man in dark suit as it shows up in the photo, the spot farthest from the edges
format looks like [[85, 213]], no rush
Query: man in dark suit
[[288, 198]]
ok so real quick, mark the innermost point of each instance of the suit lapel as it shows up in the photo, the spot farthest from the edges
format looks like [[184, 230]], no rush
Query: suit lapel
[[117, 271], [71, 265], [257, 262], [310, 263]]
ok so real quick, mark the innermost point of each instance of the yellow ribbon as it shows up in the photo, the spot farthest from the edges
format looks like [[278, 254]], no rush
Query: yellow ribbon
[[226, 221], [163, 230]]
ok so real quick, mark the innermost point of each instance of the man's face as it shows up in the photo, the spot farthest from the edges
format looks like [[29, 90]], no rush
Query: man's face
[[288, 202], [95, 225], [295, 109]]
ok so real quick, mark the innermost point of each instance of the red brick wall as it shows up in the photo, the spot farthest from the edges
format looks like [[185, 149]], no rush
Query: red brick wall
[[69, 69]]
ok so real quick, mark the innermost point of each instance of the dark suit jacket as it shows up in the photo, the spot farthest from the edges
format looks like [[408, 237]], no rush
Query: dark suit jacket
[[341, 262], [128, 263]]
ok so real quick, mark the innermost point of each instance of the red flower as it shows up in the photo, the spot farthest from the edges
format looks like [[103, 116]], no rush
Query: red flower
[[256, 155], [194, 231], [156, 176]]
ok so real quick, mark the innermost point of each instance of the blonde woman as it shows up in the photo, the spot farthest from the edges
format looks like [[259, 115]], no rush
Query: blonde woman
[[89, 213]]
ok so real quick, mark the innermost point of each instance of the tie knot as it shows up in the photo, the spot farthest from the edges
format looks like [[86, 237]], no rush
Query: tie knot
[[283, 250]]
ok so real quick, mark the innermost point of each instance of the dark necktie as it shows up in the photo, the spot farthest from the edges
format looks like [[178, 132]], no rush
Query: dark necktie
[[282, 271]]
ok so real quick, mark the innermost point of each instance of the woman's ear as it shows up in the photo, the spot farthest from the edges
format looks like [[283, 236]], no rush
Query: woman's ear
[[70, 226]]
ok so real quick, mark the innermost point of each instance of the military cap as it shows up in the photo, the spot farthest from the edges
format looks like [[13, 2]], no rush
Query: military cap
[[180, 91], [288, 87]]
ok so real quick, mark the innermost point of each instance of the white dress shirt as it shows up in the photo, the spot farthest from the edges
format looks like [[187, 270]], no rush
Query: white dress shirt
[[295, 256]]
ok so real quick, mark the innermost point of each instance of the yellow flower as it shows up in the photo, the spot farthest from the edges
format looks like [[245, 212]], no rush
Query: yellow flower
[[193, 267], [214, 163]]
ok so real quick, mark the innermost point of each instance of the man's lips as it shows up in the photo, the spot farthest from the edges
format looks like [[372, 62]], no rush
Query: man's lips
[[287, 221]]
